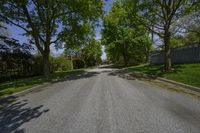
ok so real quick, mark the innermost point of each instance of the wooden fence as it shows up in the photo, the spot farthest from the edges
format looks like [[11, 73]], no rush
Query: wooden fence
[[179, 55]]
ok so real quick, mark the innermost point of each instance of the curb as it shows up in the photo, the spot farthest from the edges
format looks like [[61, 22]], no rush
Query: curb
[[32, 89], [35, 88], [180, 84], [141, 75]]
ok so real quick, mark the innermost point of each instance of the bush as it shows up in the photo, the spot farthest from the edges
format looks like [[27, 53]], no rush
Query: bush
[[16, 59], [78, 64], [59, 64]]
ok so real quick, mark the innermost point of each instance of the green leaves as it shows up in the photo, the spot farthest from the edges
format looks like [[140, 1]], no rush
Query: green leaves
[[122, 35], [52, 21]]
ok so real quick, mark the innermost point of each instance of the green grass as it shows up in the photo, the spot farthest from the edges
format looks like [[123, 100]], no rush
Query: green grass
[[10, 87], [184, 73]]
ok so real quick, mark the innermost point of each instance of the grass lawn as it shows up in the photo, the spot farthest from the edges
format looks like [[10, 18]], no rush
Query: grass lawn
[[10, 87], [184, 73]]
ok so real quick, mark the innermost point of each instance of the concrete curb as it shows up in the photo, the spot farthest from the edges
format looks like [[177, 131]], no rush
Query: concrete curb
[[32, 89], [35, 88], [180, 84], [140, 75]]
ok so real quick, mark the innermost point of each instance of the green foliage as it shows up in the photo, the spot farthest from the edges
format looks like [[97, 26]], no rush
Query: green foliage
[[46, 20], [126, 41], [186, 39], [86, 55], [16, 59], [159, 15], [189, 26], [177, 41], [85, 50], [192, 37], [92, 53], [60, 64], [78, 63]]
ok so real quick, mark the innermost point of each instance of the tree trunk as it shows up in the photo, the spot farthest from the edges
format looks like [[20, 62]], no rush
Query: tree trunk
[[168, 64], [125, 59], [147, 58], [46, 65], [147, 53], [71, 62], [125, 54]]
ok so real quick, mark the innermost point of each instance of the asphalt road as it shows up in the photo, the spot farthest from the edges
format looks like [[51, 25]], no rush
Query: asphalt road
[[101, 101]]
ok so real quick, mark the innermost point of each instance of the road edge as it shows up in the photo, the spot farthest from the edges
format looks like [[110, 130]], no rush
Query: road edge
[[36, 87], [185, 86], [26, 91]]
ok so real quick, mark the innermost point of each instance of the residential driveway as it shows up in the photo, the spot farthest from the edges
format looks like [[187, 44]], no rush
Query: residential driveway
[[102, 100]]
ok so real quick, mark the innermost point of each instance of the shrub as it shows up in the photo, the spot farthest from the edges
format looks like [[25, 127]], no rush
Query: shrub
[[77, 63], [59, 64]]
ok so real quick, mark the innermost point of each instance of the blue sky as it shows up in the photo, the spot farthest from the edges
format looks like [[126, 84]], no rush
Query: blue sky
[[98, 32], [16, 32]]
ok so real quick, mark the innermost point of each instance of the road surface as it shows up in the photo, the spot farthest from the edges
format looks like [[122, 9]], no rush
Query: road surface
[[101, 101]]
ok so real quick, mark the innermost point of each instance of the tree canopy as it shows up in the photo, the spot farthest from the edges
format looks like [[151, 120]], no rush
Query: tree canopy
[[160, 15], [71, 25], [45, 20], [124, 38]]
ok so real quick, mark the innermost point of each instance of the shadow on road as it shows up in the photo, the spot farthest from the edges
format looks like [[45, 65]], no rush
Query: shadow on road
[[121, 74], [83, 75], [14, 113], [77, 76], [112, 66]]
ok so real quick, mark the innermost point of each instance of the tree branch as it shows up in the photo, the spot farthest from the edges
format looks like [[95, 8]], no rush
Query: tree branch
[[35, 33], [10, 21]]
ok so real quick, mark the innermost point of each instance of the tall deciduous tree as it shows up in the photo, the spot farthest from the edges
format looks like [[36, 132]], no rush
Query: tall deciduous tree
[[92, 53], [124, 38], [87, 48], [189, 25], [161, 14], [45, 20]]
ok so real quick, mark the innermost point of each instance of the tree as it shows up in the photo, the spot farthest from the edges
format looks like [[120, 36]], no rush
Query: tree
[[124, 38], [184, 39], [92, 53], [160, 15], [189, 25], [15, 59], [4, 30], [88, 52], [46, 20], [60, 63]]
